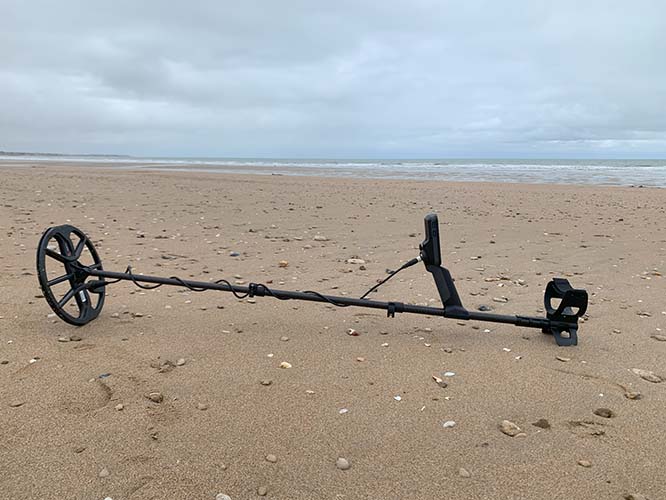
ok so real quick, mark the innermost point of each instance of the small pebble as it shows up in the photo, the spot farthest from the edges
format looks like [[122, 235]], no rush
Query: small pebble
[[262, 491], [542, 423], [75, 338], [284, 339], [63, 339], [104, 472], [660, 338], [285, 365], [585, 463], [16, 404], [462, 472], [283, 263], [355, 261], [180, 362], [202, 406], [271, 458], [342, 464], [562, 358], [79, 449], [222, 496], [509, 428], [633, 395], [266, 382], [166, 366], [635, 496], [604, 412], [119, 407], [155, 397], [449, 424], [647, 375], [360, 359]]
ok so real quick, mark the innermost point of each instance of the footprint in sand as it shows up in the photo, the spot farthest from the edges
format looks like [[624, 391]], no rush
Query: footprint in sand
[[87, 397]]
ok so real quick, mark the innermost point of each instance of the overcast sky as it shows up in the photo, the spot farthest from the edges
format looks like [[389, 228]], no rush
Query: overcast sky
[[332, 78]]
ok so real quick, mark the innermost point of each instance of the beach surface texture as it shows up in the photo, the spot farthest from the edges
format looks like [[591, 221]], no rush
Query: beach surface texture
[[171, 394]]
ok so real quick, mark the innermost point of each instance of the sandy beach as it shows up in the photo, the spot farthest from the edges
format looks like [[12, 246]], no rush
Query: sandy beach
[[76, 422]]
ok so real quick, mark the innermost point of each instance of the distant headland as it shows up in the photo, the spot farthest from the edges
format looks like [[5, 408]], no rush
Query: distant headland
[[66, 155]]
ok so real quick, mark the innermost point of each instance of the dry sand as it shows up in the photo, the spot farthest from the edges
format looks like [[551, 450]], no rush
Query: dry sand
[[61, 435]]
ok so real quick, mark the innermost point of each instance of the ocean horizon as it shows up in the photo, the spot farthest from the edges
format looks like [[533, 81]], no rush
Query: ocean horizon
[[606, 172]]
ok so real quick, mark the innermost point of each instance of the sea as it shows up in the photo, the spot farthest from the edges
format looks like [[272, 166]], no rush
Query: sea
[[647, 173]]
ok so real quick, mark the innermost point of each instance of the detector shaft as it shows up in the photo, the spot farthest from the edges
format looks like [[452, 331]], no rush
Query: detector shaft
[[391, 307]]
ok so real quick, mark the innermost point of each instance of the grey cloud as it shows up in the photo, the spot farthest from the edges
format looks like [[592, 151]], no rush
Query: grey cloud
[[335, 79]]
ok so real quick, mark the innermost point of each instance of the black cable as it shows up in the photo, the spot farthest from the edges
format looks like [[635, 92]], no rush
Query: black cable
[[144, 287], [393, 273], [94, 285], [265, 289], [271, 293], [231, 287], [182, 283], [324, 298]]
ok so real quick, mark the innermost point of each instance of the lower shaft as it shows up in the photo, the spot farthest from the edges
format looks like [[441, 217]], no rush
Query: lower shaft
[[399, 307]]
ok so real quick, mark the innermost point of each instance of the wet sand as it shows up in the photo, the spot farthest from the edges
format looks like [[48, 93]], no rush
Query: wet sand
[[64, 435]]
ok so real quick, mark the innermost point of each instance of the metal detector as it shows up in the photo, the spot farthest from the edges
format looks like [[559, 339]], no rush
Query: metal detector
[[85, 280]]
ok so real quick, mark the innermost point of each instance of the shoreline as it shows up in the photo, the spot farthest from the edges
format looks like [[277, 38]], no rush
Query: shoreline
[[487, 174], [268, 172]]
